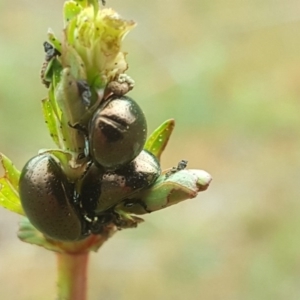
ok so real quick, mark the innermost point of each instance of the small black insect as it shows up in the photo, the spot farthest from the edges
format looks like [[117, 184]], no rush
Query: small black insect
[[85, 92], [181, 166], [51, 53]]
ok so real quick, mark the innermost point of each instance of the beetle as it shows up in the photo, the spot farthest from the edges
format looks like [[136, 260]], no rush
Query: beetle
[[47, 199], [117, 132], [101, 189]]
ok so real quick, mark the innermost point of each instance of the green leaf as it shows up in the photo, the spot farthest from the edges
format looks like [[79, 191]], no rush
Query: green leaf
[[167, 190], [73, 108], [9, 186], [82, 3], [70, 32], [52, 122], [54, 40], [69, 99], [73, 63], [12, 174], [52, 99], [71, 10], [9, 198], [53, 71], [95, 3], [158, 140]]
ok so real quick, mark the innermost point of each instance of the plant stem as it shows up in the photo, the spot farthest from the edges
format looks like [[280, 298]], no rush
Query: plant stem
[[72, 275]]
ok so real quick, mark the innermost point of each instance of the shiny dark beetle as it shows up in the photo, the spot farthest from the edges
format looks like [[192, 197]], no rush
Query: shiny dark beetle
[[101, 190], [47, 199], [117, 132]]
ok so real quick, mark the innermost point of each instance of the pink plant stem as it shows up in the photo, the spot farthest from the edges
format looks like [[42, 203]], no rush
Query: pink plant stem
[[72, 275]]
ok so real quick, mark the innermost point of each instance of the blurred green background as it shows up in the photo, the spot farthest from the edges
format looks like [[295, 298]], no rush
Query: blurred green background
[[228, 72]]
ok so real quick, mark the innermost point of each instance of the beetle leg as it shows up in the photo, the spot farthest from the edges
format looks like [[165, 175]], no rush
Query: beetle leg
[[80, 128], [87, 218], [100, 221], [76, 198], [124, 220]]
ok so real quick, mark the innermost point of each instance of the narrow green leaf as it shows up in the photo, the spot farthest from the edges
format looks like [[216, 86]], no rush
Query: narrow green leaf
[[9, 186], [158, 140], [52, 122], [73, 63], [53, 71], [73, 108], [9, 198], [69, 99], [52, 100], [12, 174], [71, 9], [95, 3], [54, 40], [70, 35], [82, 3]]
